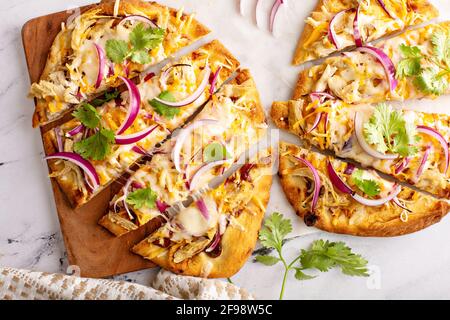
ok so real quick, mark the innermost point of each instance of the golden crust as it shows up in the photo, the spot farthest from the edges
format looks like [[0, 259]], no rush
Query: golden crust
[[279, 114], [369, 222], [422, 7], [56, 58], [306, 82]]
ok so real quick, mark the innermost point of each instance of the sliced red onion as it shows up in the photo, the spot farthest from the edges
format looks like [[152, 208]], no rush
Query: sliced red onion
[[402, 165], [200, 90], [359, 132], [383, 5], [214, 243], [316, 123], [162, 206], [317, 182], [59, 142], [101, 65], [111, 71], [387, 63], [337, 181], [139, 150], [75, 131], [423, 162], [193, 183], [85, 165], [165, 75], [137, 185], [349, 169], [126, 189], [212, 89], [134, 105], [183, 135], [201, 205], [398, 203], [135, 137], [331, 33], [321, 95], [356, 32], [273, 13], [378, 202], [137, 18], [436, 135]]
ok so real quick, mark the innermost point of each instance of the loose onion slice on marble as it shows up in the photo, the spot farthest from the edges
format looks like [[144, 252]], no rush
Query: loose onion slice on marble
[[273, 13]]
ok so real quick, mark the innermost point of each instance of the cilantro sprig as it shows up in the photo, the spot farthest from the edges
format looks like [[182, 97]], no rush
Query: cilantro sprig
[[432, 79], [322, 255], [142, 198], [388, 131], [107, 98], [368, 186], [97, 146], [140, 41], [161, 108]]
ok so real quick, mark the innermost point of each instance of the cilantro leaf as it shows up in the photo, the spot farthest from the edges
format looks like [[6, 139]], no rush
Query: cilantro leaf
[[368, 186], [87, 115], [142, 198], [441, 45], [96, 147], [410, 65], [274, 231], [146, 38], [141, 57], [108, 97], [117, 50], [387, 130], [300, 275], [267, 260], [324, 255], [162, 109], [215, 152], [432, 81]]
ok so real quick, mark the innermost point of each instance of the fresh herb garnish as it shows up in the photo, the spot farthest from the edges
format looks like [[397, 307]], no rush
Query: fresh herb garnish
[[107, 98], [141, 40], [215, 152], [432, 79], [87, 115], [142, 198], [322, 255], [97, 146], [162, 109], [388, 131], [368, 186]]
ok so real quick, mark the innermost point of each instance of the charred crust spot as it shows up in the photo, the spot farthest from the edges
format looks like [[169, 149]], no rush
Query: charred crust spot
[[310, 219]]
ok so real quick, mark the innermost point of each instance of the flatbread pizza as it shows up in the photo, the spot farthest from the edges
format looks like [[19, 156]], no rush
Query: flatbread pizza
[[410, 146], [113, 39], [113, 136], [352, 201], [336, 25], [410, 66]]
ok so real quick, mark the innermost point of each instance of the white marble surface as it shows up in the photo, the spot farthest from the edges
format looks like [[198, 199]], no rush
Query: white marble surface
[[413, 266]]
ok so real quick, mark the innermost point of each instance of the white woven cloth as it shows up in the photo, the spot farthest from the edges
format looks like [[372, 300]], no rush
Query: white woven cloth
[[30, 285]]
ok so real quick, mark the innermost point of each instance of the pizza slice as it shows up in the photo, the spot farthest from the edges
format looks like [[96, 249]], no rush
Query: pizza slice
[[410, 66], [408, 145], [114, 39], [230, 123], [214, 240], [337, 197], [100, 144], [338, 25]]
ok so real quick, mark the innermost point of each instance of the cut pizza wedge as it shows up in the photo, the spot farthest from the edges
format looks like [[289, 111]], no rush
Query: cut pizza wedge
[[230, 123], [337, 197], [408, 145], [410, 66], [112, 40], [214, 240], [338, 25], [102, 143]]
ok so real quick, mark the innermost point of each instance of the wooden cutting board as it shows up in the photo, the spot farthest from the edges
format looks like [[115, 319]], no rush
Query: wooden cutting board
[[90, 247]]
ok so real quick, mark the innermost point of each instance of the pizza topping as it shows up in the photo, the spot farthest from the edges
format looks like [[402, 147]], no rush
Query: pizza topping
[[331, 33], [87, 115], [162, 109], [369, 186], [201, 205], [101, 65], [423, 162], [136, 17], [142, 198], [78, 129], [317, 182], [402, 165], [389, 12], [436, 135], [386, 62], [194, 222], [96, 147], [398, 203], [135, 137], [198, 175], [85, 165], [134, 105]]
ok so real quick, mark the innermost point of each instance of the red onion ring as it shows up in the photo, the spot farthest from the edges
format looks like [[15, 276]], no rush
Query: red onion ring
[[214, 243], [195, 179], [423, 162], [166, 72], [317, 182], [212, 89], [337, 181], [387, 63], [378, 202], [356, 32], [125, 195], [397, 202], [273, 13], [363, 143], [439, 137], [321, 95], [101, 65], [349, 169], [316, 123], [139, 150], [162, 206], [402, 165], [140, 18], [85, 165], [331, 33], [190, 99], [134, 105], [135, 137], [201, 205], [75, 131], [383, 5], [59, 142]]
